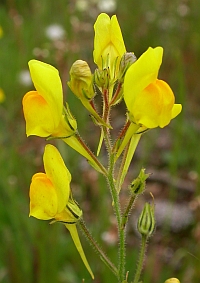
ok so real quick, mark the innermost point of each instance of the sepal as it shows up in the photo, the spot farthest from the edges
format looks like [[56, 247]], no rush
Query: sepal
[[121, 144], [75, 237]]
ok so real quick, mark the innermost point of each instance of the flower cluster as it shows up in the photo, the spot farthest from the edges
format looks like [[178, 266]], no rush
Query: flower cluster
[[119, 76]]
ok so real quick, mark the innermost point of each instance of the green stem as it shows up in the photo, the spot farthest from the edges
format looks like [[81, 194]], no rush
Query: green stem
[[115, 96], [127, 211], [122, 133], [113, 190], [116, 204], [102, 255], [141, 259], [91, 154], [120, 175], [106, 114]]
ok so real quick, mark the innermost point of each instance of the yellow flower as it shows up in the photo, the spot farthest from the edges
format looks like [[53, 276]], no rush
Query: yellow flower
[[50, 196], [172, 280], [2, 95], [43, 108], [150, 101], [108, 43], [50, 191]]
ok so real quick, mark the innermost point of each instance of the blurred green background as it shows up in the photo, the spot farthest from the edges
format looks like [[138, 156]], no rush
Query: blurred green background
[[59, 32]]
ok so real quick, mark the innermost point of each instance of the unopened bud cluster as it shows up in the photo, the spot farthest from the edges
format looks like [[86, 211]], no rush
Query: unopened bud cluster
[[138, 185]]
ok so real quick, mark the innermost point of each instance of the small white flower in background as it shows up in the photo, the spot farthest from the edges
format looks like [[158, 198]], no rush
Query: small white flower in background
[[24, 78], [107, 6], [82, 5], [55, 32], [150, 16], [183, 10], [40, 53]]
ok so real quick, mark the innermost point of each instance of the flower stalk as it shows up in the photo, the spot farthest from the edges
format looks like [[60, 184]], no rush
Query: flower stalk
[[141, 259], [99, 251]]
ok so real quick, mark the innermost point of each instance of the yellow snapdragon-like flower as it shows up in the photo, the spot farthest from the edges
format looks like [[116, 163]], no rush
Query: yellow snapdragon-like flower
[[44, 112], [150, 101], [108, 43], [50, 196], [43, 108]]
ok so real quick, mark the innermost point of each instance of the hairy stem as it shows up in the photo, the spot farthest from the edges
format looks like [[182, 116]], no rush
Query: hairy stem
[[92, 155], [141, 259], [127, 211], [116, 204], [99, 251]]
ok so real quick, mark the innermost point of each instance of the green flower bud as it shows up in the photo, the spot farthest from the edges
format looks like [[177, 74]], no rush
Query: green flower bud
[[126, 61], [138, 185], [81, 83], [102, 77], [146, 221], [172, 280]]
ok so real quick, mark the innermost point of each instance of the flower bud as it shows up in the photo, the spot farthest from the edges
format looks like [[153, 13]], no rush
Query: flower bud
[[102, 77], [138, 185], [146, 221], [172, 280], [126, 61], [81, 83]]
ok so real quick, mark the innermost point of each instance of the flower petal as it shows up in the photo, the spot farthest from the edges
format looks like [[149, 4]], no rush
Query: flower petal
[[39, 118], [176, 110], [140, 74], [168, 103], [59, 175], [48, 84], [43, 198], [153, 106]]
